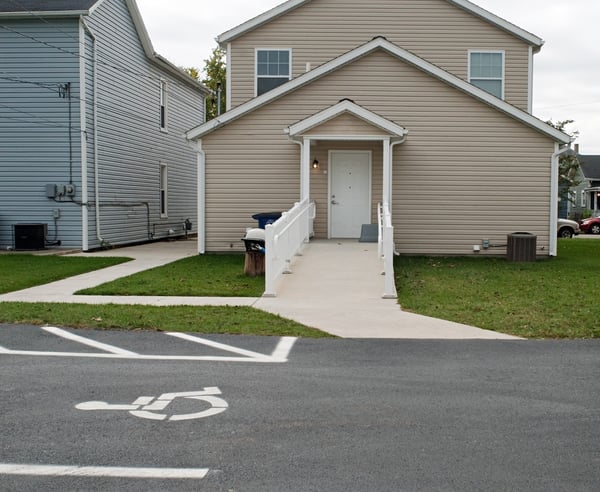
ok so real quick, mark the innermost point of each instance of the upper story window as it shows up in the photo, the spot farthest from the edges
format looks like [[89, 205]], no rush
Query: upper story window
[[486, 71], [163, 105], [273, 68]]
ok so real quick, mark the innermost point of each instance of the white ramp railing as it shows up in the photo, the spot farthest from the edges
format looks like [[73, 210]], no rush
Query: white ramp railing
[[386, 249], [284, 239]]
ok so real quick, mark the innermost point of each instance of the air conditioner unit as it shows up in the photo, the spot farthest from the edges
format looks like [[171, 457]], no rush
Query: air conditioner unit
[[29, 237]]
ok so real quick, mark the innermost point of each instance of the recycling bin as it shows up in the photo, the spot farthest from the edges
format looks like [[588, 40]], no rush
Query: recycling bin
[[265, 218]]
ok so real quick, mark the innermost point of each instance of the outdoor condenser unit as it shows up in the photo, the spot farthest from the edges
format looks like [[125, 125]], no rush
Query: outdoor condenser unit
[[30, 236]]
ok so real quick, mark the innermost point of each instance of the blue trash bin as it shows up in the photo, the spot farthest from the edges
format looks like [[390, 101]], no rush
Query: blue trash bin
[[265, 218]]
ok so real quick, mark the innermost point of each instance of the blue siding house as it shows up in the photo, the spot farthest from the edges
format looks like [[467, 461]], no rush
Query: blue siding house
[[92, 124]]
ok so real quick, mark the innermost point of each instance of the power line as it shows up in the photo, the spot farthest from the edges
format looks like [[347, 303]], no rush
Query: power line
[[119, 68]]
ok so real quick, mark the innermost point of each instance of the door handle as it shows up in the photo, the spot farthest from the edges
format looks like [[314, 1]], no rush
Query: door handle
[[333, 202]]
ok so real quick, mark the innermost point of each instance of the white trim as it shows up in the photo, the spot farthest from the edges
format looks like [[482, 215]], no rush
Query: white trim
[[305, 170], [163, 102], [469, 7], [228, 76], [201, 193], [83, 119], [263, 18], [502, 78], [503, 24], [530, 82], [347, 106], [164, 190], [406, 56], [256, 76], [554, 163]]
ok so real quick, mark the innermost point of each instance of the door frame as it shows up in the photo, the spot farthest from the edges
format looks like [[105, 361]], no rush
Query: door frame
[[331, 154]]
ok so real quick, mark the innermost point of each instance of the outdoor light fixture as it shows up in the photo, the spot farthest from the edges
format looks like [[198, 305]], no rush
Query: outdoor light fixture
[[315, 164]]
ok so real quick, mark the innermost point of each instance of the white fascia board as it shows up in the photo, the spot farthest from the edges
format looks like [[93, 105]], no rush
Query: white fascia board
[[470, 7], [400, 53], [351, 108], [263, 18], [152, 55], [140, 28], [503, 24]]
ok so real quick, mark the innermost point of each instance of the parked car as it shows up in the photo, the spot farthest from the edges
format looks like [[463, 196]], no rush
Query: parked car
[[567, 228], [590, 225]]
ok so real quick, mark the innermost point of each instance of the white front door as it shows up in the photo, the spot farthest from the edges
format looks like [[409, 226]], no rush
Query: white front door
[[349, 193]]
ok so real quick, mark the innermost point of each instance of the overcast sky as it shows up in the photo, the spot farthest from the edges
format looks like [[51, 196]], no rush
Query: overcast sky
[[566, 71]]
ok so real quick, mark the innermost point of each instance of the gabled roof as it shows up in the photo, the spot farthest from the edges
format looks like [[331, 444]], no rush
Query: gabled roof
[[346, 106], [465, 5], [77, 8], [403, 55], [590, 166]]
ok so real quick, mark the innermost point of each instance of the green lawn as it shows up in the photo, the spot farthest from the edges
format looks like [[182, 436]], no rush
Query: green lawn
[[200, 276], [555, 298], [21, 271]]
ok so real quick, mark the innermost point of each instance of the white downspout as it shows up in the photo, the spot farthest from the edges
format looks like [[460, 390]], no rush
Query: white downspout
[[201, 198], [96, 166], [530, 82], [83, 135], [554, 197], [391, 158], [228, 77], [305, 170]]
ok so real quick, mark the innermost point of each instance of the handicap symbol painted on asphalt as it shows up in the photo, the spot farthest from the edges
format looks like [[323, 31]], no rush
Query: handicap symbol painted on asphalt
[[147, 407]]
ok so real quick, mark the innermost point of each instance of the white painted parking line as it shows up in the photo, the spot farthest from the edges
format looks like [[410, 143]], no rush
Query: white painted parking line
[[101, 471], [86, 341], [144, 357], [217, 345], [283, 349], [278, 356]]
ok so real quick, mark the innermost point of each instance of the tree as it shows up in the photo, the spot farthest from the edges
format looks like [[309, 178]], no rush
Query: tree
[[192, 72], [215, 78], [568, 163]]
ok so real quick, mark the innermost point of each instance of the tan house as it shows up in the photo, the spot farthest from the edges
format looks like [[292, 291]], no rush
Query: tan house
[[423, 106]]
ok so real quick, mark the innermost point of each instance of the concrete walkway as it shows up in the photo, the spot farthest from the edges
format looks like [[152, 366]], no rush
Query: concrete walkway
[[336, 286]]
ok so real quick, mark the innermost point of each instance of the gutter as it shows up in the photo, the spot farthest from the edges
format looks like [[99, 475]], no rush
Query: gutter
[[95, 119], [554, 197]]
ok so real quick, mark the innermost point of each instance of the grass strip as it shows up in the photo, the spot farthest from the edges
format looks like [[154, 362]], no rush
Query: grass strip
[[209, 275], [21, 271], [235, 320]]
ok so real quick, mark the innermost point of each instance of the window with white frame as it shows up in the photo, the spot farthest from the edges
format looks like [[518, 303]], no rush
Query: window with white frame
[[486, 71], [273, 68], [163, 105], [163, 190]]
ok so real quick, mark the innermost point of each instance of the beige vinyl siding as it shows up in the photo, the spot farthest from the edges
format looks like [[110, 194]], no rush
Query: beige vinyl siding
[[435, 30], [466, 171]]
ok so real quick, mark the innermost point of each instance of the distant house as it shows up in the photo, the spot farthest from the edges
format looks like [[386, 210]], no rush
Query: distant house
[[590, 168], [92, 123], [423, 106]]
